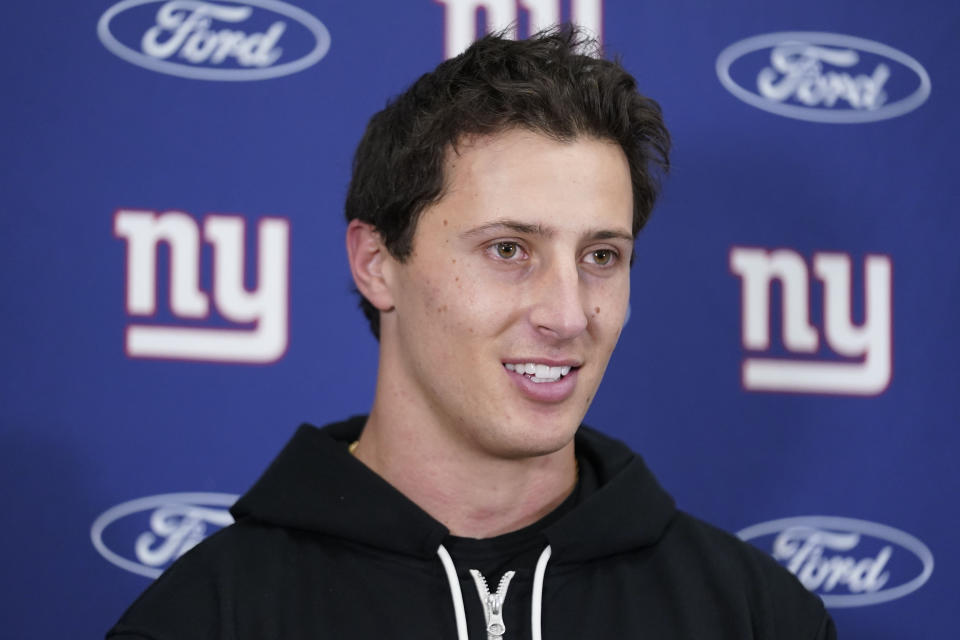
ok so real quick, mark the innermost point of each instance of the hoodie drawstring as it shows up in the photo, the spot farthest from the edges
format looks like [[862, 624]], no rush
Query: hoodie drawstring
[[458, 610], [536, 603]]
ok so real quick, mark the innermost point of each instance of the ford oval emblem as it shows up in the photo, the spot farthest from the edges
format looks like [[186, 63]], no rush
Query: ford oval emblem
[[235, 40], [847, 562], [823, 77], [145, 535]]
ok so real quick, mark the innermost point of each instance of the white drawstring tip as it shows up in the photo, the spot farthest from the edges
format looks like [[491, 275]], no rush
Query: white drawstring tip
[[536, 603], [458, 611]]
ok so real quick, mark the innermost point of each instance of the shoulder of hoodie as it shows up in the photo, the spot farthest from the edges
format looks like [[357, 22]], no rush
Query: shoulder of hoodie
[[247, 558], [728, 564], [183, 601], [234, 553]]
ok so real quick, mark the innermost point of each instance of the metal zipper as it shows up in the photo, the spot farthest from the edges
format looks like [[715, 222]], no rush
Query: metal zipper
[[492, 603]]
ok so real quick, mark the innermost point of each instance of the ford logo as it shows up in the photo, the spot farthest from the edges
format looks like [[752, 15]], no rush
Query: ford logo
[[146, 535], [227, 41], [847, 562], [823, 77]]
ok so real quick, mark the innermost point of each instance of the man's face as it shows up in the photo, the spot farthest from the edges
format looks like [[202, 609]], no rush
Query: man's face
[[509, 307]]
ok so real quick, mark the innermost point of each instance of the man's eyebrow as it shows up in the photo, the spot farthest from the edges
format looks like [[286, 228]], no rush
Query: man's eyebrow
[[508, 225], [540, 230], [610, 234]]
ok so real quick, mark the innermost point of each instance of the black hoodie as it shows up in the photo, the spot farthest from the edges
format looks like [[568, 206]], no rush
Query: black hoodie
[[323, 547]]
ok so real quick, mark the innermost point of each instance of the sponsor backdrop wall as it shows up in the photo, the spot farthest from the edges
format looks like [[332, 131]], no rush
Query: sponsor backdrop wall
[[176, 300]]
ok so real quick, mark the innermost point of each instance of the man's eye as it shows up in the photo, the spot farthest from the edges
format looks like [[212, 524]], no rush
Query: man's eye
[[507, 250], [603, 257]]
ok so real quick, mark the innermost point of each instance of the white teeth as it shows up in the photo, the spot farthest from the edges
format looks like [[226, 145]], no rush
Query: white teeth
[[538, 372]]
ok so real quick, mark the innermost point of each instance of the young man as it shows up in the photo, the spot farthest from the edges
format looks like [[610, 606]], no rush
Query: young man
[[492, 215]]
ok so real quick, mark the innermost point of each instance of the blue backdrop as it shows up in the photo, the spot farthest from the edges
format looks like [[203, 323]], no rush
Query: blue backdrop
[[176, 297]]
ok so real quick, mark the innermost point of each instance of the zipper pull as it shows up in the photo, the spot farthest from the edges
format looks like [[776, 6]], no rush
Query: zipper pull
[[492, 603]]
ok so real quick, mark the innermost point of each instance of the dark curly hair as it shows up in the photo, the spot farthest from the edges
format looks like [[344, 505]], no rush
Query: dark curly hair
[[554, 83]]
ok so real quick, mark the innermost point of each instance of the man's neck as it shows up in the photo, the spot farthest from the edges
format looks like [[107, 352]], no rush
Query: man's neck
[[473, 495]]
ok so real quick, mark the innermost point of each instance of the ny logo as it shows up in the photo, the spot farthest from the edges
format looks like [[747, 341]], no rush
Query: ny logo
[[867, 348], [265, 307], [460, 18]]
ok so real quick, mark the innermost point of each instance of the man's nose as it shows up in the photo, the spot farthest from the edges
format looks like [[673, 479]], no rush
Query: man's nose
[[559, 306]]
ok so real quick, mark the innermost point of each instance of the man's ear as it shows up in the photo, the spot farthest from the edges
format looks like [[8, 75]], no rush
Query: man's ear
[[366, 254]]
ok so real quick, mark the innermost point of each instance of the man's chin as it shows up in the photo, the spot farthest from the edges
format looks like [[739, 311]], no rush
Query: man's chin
[[535, 445]]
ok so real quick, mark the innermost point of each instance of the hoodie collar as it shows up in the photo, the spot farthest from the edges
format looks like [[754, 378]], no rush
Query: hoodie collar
[[314, 484], [628, 510]]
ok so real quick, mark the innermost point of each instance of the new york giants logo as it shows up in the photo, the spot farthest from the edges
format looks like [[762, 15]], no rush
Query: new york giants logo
[[866, 349], [263, 309], [461, 18]]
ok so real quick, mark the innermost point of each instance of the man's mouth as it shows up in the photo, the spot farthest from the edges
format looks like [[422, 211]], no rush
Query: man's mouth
[[538, 372]]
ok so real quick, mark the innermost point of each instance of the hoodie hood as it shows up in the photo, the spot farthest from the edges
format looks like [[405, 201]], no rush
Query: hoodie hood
[[629, 509], [315, 484]]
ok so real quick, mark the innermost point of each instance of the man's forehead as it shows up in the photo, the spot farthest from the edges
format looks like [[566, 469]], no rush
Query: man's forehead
[[490, 165], [478, 151], [504, 138]]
